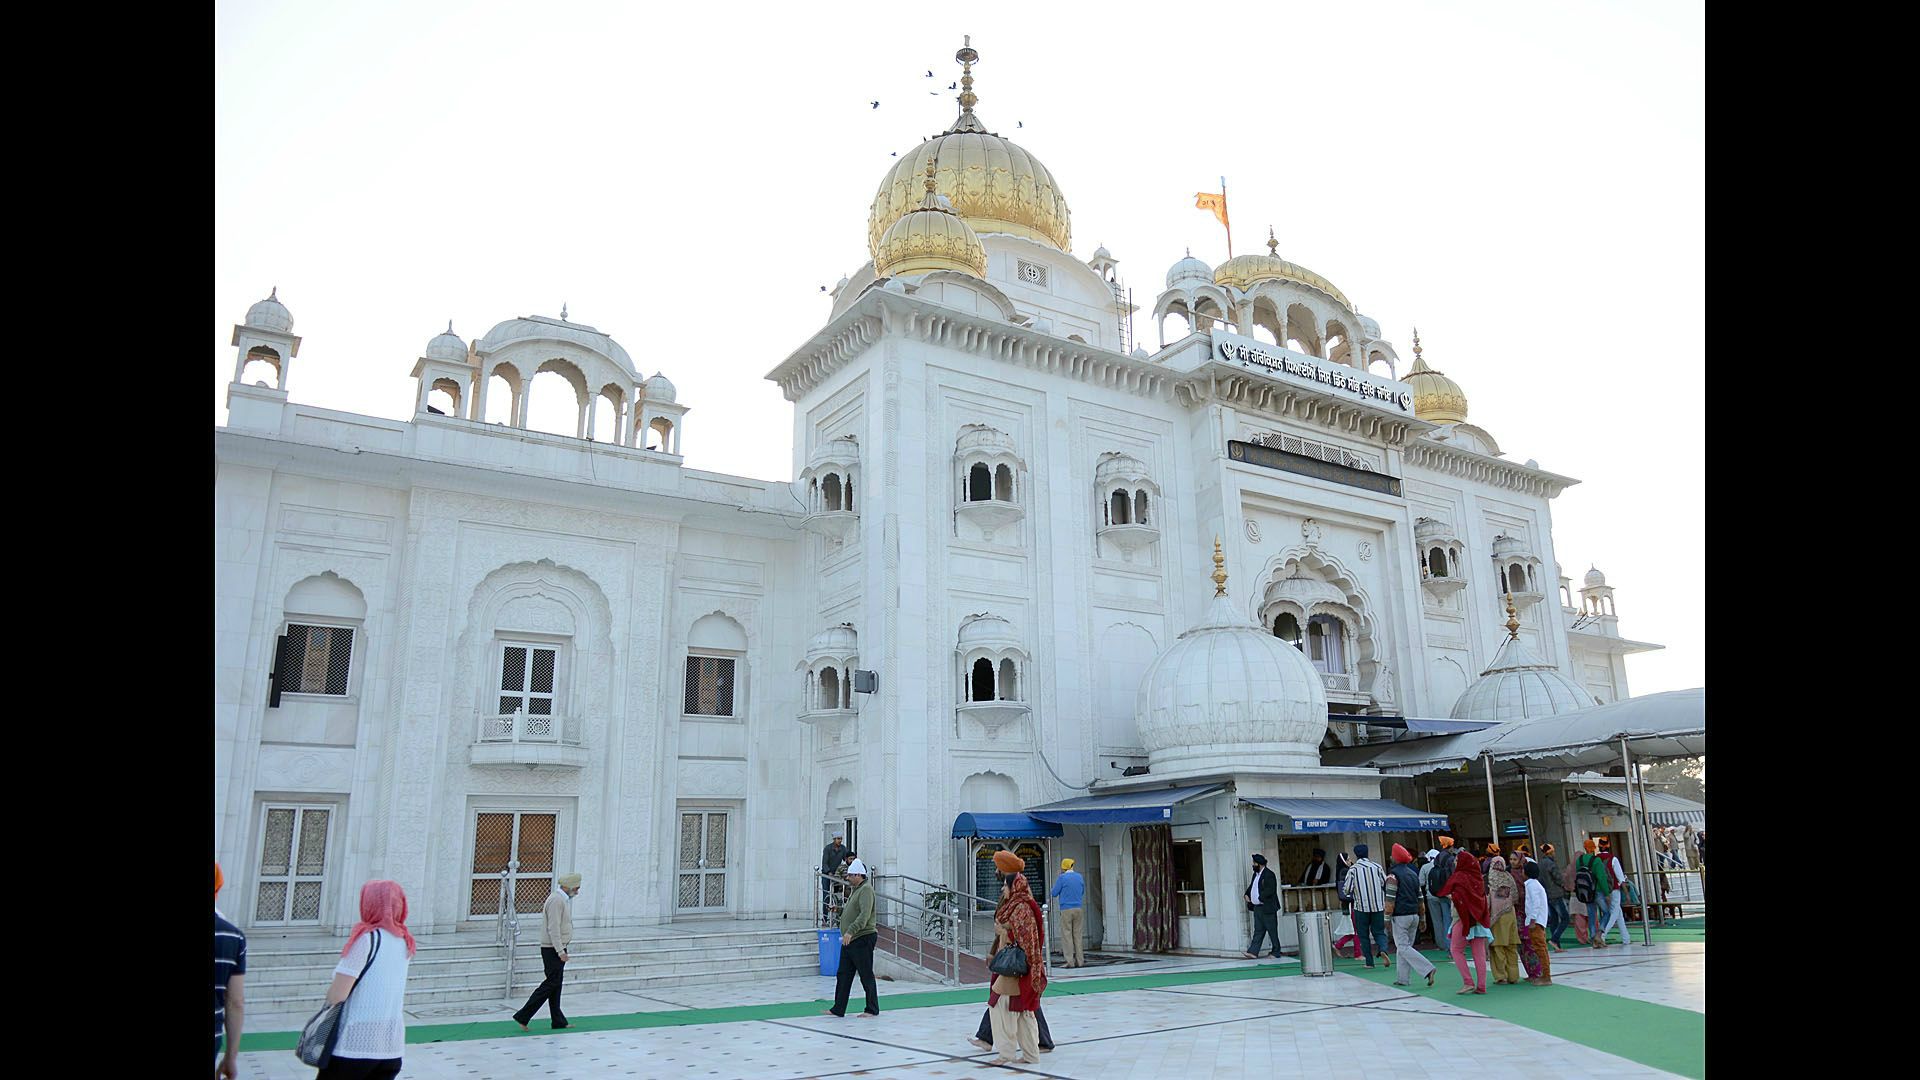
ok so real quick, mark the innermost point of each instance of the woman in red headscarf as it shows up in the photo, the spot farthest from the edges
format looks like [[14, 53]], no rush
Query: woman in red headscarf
[[1469, 895], [372, 979], [1014, 1001]]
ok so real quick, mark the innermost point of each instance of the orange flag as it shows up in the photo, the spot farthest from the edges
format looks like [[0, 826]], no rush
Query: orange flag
[[1215, 201]]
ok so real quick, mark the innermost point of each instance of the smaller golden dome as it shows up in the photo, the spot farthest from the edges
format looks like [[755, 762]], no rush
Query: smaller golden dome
[[929, 238], [1436, 398], [1242, 271]]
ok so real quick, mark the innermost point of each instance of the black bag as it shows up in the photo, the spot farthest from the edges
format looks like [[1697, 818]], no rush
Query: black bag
[[1011, 961], [1442, 869], [1585, 888], [317, 1039]]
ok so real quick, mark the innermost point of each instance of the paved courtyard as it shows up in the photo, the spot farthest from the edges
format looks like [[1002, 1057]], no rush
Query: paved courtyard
[[1628, 1011]]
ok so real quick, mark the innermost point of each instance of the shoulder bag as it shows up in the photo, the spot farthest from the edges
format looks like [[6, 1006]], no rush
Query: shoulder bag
[[317, 1039], [1011, 961]]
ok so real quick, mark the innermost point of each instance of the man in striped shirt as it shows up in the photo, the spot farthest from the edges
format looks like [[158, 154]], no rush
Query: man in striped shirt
[[1366, 885], [229, 965]]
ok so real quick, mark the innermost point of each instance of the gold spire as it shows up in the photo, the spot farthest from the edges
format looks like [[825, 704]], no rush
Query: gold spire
[[1513, 620], [1219, 568], [967, 57], [930, 203], [1273, 246], [1416, 344], [1436, 398]]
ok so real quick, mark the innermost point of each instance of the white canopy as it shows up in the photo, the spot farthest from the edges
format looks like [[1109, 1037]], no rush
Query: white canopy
[[1656, 727]]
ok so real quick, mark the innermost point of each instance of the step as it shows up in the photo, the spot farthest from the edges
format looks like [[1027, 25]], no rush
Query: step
[[524, 982], [584, 952]]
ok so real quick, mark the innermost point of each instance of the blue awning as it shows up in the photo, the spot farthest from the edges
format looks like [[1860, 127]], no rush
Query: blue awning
[[1416, 725], [1302, 816], [1121, 807], [1001, 827]]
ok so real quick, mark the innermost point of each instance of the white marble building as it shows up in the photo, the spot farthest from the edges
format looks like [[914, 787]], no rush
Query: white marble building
[[442, 643]]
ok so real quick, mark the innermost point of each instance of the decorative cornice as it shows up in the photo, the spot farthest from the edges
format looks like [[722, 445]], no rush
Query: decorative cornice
[[1248, 391], [1468, 465]]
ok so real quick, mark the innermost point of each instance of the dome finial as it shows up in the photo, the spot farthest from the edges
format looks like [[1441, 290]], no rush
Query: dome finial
[[449, 326], [967, 57], [563, 311], [1513, 620], [1219, 568], [1416, 343], [275, 294], [930, 202], [1273, 246]]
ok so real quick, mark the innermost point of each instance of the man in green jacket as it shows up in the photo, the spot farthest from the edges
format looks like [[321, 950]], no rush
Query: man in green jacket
[[857, 938]]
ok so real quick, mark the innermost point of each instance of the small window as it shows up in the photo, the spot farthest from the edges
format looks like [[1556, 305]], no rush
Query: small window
[[1140, 507], [1190, 879], [1287, 628], [1326, 644], [527, 674], [1117, 510], [979, 483], [982, 680], [1003, 484], [1437, 562], [314, 660], [709, 686]]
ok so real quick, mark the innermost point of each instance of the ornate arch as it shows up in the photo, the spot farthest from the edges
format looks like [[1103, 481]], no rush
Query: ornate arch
[[1357, 608], [592, 639]]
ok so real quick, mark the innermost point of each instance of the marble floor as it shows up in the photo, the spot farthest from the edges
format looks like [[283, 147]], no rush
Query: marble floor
[[1345, 1024]]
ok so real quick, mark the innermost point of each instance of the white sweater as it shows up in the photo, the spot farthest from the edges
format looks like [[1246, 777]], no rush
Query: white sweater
[[372, 1025]]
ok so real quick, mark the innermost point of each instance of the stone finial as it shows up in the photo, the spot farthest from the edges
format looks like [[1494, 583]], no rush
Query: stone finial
[[1513, 620], [1273, 246], [1219, 569]]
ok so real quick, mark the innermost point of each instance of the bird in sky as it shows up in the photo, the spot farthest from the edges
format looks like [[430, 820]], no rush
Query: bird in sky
[[823, 288], [875, 104], [953, 86], [1019, 123], [929, 74], [896, 153]]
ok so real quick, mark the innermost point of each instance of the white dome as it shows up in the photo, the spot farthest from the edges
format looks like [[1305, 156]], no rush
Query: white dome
[[1369, 328], [987, 632], [1595, 577], [1115, 467], [1101, 252], [980, 437], [271, 314], [658, 389], [447, 346], [1189, 271], [1509, 545], [542, 328], [844, 450], [1305, 592], [836, 642], [1519, 686], [1228, 693]]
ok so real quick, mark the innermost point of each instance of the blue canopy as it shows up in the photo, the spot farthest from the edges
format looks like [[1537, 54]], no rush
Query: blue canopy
[[1347, 815], [1121, 807], [1001, 827]]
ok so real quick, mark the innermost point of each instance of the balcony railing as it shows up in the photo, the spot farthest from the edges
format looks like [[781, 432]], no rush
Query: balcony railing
[[527, 728]]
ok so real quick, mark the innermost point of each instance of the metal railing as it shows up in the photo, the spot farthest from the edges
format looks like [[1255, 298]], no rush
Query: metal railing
[[507, 930], [922, 935], [938, 895]]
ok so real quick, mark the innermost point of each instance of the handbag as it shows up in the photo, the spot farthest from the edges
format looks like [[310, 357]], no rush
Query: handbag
[[317, 1039], [1010, 961]]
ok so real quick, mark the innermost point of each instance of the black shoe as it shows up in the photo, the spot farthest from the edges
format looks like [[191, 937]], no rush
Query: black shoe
[[562, 1024]]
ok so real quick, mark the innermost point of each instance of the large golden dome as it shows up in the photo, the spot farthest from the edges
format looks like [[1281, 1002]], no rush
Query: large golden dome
[[1242, 271], [1436, 398], [997, 186], [929, 238]]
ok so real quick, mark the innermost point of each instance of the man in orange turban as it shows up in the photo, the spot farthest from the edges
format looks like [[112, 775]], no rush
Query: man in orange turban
[[229, 969]]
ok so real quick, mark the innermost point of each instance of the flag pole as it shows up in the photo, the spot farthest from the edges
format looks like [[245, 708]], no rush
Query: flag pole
[[1223, 213]]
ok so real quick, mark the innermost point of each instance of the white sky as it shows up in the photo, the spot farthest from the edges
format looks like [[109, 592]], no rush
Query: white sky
[[1522, 181]]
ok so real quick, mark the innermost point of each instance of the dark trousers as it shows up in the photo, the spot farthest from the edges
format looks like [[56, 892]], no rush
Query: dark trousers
[[1266, 921], [857, 957], [547, 992], [359, 1069], [985, 1034], [1371, 928], [1557, 919]]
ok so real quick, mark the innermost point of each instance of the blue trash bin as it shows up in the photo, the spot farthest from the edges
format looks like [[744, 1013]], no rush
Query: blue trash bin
[[829, 952]]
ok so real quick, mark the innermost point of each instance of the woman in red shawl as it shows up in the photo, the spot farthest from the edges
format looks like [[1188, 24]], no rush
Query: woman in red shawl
[[1470, 924], [1013, 1001]]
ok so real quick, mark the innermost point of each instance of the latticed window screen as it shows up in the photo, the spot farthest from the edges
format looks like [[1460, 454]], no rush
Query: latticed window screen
[[702, 864], [527, 679], [293, 864], [709, 686], [314, 659], [501, 836]]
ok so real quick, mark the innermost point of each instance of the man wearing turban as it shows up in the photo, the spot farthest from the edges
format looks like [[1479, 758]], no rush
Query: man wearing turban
[[556, 934], [1070, 891]]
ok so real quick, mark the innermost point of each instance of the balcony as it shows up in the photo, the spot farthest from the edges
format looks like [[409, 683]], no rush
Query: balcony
[[838, 526], [525, 739], [1129, 538], [988, 515], [1441, 586], [992, 715]]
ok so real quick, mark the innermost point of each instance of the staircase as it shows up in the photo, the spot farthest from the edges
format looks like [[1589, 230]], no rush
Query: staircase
[[290, 974]]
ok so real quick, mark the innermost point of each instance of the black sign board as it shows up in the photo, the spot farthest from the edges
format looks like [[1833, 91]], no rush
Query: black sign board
[[1286, 461]]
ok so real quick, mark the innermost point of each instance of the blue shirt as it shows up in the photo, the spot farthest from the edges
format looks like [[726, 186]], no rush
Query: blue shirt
[[229, 959], [1070, 887]]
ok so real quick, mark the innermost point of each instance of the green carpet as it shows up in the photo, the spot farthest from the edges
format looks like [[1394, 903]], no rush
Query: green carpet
[[1653, 1035]]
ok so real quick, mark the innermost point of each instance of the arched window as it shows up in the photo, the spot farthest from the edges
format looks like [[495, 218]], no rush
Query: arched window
[[982, 680], [503, 404], [830, 492], [263, 366], [1140, 507], [1326, 644], [1003, 484], [606, 419], [849, 492], [1009, 689], [1117, 510], [829, 688], [1516, 579], [979, 483], [1437, 563], [660, 435], [441, 401], [1287, 628], [553, 404]]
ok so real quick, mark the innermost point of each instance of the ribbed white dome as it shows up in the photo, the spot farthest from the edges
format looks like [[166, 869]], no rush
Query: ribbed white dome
[[447, 346], [1517, 686], [1230, 693], [1189, 271], [1595, 577], [271, 314], [658, 388], [835, 641], [1369, 328], [987, 632]]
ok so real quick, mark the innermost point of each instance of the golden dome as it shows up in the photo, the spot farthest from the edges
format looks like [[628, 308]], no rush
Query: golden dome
[[1242, 271], [929, 238], [1436, 398], [997, 186]]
